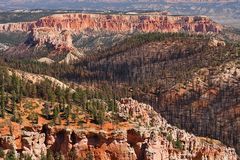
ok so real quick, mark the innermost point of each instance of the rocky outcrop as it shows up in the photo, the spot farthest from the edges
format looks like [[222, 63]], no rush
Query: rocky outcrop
[[178, 143], [13, 27], [62, 40], [33, 143], [216, 42], [150, 137], [3, 47], [46, 60]]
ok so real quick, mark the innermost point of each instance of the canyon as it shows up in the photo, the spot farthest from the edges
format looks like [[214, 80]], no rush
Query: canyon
[[56, 31], [142, 134], [184, 66], [192, 81]]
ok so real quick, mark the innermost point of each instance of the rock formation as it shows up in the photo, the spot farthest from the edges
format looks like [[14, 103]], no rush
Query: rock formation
[[149, 137], [216, 42], [33, 143], [56, 31], [3, 47], [118, 23], [62, 40], [13, 27]]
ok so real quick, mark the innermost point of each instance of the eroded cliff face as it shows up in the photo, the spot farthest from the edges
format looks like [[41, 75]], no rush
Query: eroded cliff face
[[118, 23], [56, 31], [147, 136], [128, 23], [13, 27], [44, 35]]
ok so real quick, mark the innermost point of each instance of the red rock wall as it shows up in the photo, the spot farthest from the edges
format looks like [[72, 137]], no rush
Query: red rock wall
[[22, 26], [118, 23]]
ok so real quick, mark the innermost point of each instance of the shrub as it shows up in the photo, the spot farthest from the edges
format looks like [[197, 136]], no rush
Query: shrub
[[10, 155], [2, 154], [33, 117], [178, 144], [169, 137], [26, 157]]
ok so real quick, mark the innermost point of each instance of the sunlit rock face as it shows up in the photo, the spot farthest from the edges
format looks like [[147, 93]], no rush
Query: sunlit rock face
[[56, 31], [118, 23]]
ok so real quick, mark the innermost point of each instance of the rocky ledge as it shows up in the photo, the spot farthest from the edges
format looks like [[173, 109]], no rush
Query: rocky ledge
[[147, 137]]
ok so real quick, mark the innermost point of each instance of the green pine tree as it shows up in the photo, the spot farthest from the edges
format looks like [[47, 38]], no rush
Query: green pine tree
[[67, 114], [2, 102], [55, 114], [14, 106]]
